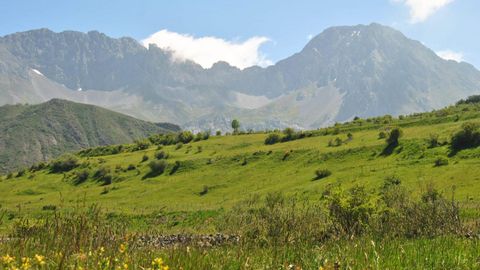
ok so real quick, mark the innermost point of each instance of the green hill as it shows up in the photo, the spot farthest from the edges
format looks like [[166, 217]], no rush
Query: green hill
[[34, 133], [218, 172], [373, 193]]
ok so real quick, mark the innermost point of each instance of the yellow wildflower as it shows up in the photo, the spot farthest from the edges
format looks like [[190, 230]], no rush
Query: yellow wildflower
[[122, 248], [157, 262], [7, 259], [40, 259], [25, 263]]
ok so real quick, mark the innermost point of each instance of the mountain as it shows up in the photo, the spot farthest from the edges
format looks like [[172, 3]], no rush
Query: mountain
[[34, 133], [347, 71]]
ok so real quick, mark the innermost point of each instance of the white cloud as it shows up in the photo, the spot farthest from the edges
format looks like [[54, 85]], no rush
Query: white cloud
[[208, 50], [420, 10], [451, 55]]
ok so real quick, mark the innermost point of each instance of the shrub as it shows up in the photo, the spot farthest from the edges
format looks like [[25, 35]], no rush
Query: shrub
[[49, 207], [322, 173], [144, 158], [161, 155], [178, 146], [218, 133], [140, 145], [185, 137], [175, 167], [199, 136], [103, 176], [131, 167], [20, 173], [350, 136], [382, 135], [433, 141], [470, 100], [290, 134], [64, 164], [157, 167], [338, 141], [394, 136], [272, 138], [441, 161], [467, 137], [350, 211], [80, 177], [38, 167]]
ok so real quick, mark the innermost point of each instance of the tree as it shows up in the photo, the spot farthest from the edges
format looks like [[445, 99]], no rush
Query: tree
[[235, 125], [289, 134], [272, 138], [467, 137], [185, 137], [395, 134]]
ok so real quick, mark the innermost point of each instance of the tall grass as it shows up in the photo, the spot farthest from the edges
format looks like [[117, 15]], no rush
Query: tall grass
[[345, 229]]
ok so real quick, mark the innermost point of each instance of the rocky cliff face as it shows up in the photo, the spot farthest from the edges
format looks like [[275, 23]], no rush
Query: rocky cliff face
[[349, 71]]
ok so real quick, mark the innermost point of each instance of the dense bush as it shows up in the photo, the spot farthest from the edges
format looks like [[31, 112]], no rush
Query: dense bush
[[102, 151], [38, 167], [175, 167], [185, 137], [103, 175], [470, 100], [157, 167], [322, 173], [64, 164], [394, 136], [272, 138], [337, 142], [467, 137], [131, 167], [289, 134], [161, 155], [433, 141], [202, 136], [20, 173], [350, 211], [140, 145], [80, 177]]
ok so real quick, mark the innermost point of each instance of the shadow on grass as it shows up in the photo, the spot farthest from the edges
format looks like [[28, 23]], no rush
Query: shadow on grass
[[151, 175], [388, 150]]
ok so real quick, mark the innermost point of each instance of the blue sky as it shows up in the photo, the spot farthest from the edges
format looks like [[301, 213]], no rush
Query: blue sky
[[281, 27]]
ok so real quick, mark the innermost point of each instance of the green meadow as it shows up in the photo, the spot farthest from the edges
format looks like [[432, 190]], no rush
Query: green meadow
[[228, 183], [235, 167]]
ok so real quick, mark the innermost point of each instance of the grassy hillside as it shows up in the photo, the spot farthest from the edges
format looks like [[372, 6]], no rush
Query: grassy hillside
[[223, 170], [33, 133], [345, 197]]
